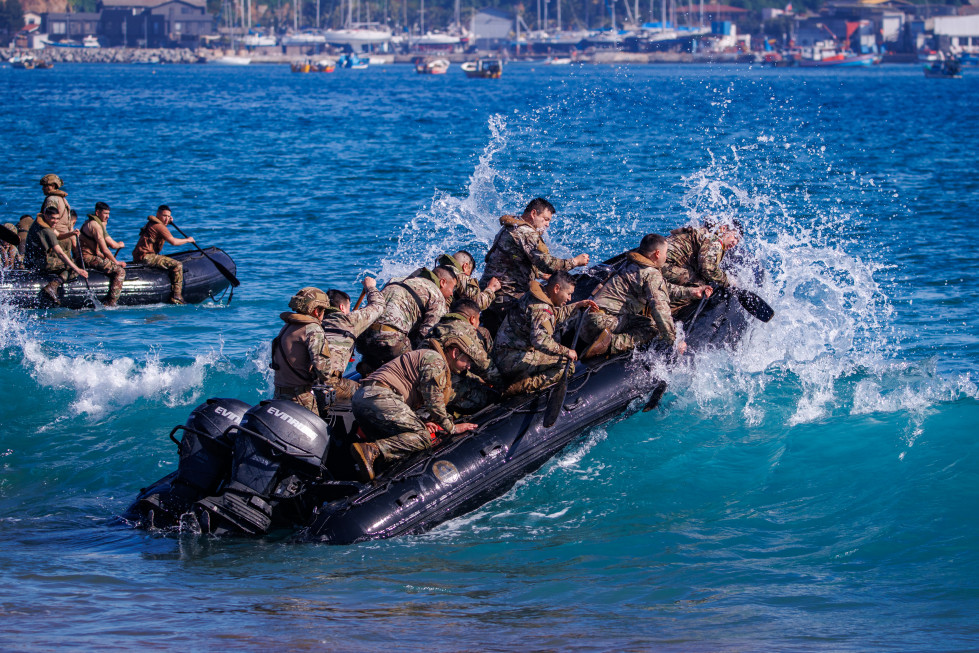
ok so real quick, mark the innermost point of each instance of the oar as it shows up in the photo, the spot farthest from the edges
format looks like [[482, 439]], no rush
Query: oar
[[753, 304], [359, 299], [81, 261], [560, 391], [223, 270], [8, 236]]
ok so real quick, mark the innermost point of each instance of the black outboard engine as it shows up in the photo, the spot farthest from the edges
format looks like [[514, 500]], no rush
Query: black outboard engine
[[205, 461], [279, 450]]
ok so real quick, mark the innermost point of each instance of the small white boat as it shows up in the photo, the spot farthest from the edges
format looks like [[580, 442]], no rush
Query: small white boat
[[231, 60], [432, 67]]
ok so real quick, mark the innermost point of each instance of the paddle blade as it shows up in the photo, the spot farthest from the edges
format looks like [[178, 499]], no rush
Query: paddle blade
[[224, 271], [556, 401], [755, 305], [654, 399], [8, 236]]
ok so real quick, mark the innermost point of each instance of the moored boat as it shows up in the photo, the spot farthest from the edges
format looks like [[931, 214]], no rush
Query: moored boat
[[143, 285], [431, 66], [483, 68]]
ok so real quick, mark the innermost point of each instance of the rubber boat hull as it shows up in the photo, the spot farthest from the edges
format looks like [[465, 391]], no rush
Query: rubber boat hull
[[143, 285], [453, 478]]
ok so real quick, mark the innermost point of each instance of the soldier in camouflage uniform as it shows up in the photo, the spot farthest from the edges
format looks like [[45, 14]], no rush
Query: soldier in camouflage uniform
[[519, 255], [635, 303], [526, 351], [300, 353], [62, 222], [94, 241], [412, 307], [342, 327], [694, 256], [474, 390], [463, 264], [43, 252], [10, 257], [147, 251], [402, 405]]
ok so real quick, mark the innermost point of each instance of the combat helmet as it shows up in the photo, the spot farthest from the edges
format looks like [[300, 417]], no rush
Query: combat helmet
[[465, 344], [53, 180], [307, 299]]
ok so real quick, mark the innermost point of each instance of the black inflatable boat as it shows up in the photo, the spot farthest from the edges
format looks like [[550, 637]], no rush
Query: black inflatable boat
[[143, 285], [249, 470]]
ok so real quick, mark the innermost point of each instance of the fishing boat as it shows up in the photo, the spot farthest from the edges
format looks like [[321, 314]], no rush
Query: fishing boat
[[307, 66], [352, 61], [838, 60], [250, 470], [944, 69], [23, 62], [483, 68], [431, 66], [203, 280]]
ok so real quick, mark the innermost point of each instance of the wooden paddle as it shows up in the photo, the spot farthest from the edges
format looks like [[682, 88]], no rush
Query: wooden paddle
[[560, 391], [223, 270]]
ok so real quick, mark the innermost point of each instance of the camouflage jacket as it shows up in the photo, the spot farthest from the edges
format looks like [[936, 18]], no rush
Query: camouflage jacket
[[698, 249], [455, 324], [402, 312], [639, 288], [300, 353], [531, 323], [422, 379], [342, 329], [518, 256], [466, 286]]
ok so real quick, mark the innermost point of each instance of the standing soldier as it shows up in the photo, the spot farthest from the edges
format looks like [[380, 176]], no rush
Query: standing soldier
[[342, 327], [147, 251], [463, 264], [473, 389], [635, 303], [519, 255], [401, 406], [695, 253], [62, 223], [94, 241], [43, 253], [526, 352], [300, 353], [411, 308]]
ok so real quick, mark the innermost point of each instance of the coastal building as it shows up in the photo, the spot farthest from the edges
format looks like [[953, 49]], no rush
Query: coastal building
[[491, 29], [73, 27], [153, 23]]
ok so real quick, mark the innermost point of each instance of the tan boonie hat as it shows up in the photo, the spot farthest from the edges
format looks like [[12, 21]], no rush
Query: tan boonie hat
[[53, 180], [307, 299], [465, 344]]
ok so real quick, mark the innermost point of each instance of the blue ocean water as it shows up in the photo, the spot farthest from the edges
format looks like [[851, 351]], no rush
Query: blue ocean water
[[815, 489]]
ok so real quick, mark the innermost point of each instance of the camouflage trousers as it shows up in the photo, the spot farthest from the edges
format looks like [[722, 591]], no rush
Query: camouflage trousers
[[389, 422], [471, 394], [174, 267], [345, 388], [302, 395], [533, 369], [628, 330], [379, 347], [116, 274]]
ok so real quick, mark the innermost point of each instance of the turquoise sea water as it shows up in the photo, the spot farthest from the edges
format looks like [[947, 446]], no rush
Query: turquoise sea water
[[815, 489]]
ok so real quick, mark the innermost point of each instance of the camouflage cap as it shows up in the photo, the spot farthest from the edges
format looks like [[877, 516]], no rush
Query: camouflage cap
[[53, 180], [465, 344], [307, 299]]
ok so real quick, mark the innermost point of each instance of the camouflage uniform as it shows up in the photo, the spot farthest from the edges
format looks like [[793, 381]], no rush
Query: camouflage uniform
[[635, 305], [518, 256], [693, 259], [94, 260], [525, 346], [403, 321], [10, 254], [473, 389], [64, 222], [393, 404], [300, 358], [341, 330], [39, 253], [147, 251], [466, 286]]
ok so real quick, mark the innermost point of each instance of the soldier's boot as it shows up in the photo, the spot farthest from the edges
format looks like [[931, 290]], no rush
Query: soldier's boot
[[365, 454], [522, 386], [601, 345], [51, 291], [177, 298]]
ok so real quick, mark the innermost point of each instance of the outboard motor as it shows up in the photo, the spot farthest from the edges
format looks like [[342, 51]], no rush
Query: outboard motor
[[279, 449], [205, 461]]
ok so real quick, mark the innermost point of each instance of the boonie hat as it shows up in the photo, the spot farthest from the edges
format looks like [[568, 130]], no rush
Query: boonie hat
[[54, 180]]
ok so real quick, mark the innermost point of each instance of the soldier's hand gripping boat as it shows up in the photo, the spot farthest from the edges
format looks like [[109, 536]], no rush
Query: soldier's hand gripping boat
[[253, 470]]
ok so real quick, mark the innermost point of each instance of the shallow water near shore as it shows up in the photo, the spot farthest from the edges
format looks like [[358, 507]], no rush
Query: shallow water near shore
[[815, 489]]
